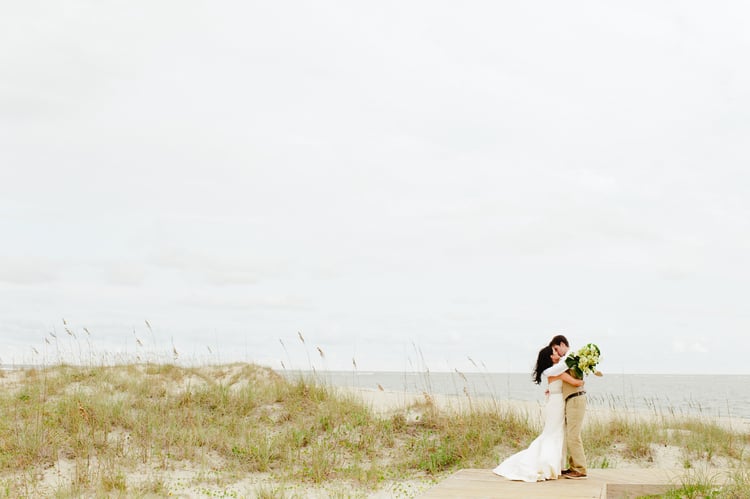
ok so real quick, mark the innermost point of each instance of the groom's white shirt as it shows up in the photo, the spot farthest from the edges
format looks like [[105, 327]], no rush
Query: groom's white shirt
[[558, 368]]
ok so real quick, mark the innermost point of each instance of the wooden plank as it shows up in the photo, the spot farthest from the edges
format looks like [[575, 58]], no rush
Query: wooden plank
[[482, 484], [633, 490], [600, 484]]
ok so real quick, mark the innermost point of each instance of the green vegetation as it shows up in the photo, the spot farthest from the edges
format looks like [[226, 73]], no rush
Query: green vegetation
[[706, 486], [699, 440], [104, 424], [128, 431]]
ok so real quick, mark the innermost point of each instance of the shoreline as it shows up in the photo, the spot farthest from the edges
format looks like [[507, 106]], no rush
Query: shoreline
[[684, 395], [388, 402]]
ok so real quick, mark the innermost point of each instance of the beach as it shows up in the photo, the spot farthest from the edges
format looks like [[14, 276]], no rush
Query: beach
[[218, 431]]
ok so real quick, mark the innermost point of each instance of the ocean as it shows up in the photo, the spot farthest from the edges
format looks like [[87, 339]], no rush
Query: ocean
[[668, 394]]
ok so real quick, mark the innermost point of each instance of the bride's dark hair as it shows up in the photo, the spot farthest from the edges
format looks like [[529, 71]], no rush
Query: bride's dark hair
[[543, 361]]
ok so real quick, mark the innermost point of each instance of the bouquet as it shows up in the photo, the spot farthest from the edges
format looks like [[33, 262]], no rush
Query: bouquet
[[584, 361]]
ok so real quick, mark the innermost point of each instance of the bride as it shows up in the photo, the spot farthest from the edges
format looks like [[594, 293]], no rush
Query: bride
[[543, 459]]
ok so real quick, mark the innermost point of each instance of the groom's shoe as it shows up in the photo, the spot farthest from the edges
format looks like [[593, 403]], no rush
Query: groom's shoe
[[574, 475], [565, 472]]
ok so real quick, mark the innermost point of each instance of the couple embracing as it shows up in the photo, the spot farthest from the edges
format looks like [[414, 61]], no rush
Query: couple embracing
[[563, 421]]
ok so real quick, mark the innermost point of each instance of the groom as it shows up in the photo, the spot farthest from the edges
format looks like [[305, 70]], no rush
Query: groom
[[575, 409]]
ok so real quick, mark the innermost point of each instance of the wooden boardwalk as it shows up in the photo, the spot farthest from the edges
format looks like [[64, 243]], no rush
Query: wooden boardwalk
[[623, 483]]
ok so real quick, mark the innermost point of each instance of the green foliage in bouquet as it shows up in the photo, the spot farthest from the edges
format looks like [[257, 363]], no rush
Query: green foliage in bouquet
[[584, 361]]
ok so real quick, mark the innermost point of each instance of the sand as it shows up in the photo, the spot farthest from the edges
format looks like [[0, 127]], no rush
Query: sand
[[188, 480]]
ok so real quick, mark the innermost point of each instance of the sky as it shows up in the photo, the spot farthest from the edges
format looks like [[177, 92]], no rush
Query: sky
[[404, 186]]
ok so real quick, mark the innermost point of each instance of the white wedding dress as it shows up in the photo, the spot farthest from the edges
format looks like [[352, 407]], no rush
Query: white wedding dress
[[543, 459]]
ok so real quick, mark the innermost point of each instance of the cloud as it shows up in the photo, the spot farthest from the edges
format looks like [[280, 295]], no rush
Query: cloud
[[689, 345], [28, 270], [124, 273], [218, 269], [698, 347], [205, 300]]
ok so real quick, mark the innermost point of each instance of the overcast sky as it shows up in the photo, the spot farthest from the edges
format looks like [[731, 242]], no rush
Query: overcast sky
[[408, 184]]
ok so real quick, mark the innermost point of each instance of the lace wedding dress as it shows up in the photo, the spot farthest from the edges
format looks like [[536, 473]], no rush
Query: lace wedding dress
[[543, 459]]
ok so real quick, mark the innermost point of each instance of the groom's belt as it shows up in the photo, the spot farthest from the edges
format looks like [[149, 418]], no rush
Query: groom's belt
[[582, 392]]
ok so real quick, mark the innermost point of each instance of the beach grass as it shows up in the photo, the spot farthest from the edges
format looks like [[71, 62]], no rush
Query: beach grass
[[707, 485], [151, 430]]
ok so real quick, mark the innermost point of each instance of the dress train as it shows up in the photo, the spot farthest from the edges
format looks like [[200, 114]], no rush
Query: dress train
[[543, 459]]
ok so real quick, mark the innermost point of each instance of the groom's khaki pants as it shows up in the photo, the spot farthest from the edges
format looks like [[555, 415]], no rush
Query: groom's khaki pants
[[575, 409]]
